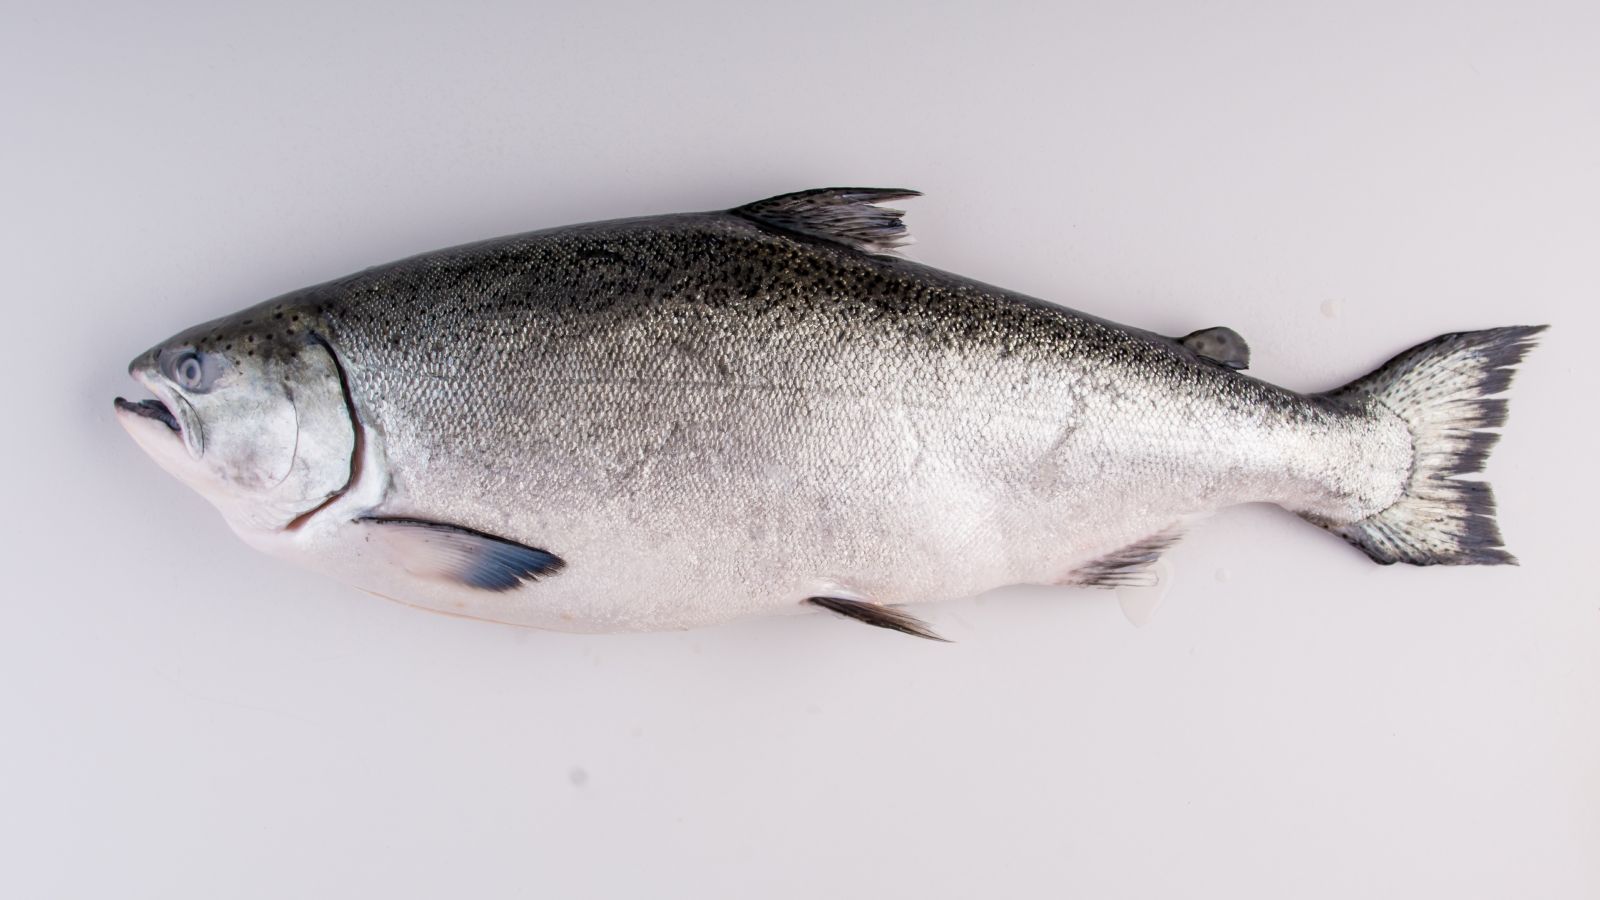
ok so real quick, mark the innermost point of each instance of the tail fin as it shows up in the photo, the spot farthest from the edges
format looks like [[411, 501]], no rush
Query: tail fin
[[1442, 390]]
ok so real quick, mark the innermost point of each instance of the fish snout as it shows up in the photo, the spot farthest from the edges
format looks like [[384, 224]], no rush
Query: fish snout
[[143, 365]]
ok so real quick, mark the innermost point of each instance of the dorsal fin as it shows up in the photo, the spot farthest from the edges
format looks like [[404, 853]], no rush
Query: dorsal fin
[[841, 215], [1221, 345]]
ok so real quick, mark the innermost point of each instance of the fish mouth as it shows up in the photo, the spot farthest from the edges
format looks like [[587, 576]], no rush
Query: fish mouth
[[167, 407], [151, 409]]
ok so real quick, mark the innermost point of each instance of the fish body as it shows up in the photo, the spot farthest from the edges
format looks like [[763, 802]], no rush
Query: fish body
[[673, 421]]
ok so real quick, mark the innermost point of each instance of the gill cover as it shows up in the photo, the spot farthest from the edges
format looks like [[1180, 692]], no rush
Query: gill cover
[[321, 463]]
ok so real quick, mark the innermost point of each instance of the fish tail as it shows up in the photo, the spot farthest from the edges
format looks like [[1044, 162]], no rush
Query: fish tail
[[1444, 392]]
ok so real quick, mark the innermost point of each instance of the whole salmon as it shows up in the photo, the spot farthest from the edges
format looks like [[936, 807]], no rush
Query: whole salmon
[[665, 422]]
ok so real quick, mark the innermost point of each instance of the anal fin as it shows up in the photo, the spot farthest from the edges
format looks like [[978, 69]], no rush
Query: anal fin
[[460, 555], [879, 616], [1128, 566]]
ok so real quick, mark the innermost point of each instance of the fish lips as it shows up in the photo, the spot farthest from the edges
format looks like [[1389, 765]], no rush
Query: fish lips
[[150, 409], [166, 410]]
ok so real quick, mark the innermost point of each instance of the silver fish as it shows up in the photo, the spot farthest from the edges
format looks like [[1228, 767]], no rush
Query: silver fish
[[665, 422]]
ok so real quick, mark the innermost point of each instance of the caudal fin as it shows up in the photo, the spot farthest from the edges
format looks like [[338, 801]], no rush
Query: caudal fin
[[1443, 390]]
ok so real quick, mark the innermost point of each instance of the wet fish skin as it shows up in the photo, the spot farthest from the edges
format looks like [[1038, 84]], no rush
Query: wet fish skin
[[712, 415]]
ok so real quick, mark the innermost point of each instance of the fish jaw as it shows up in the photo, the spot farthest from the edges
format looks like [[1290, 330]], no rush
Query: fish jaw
[[171, 432], [161, 441], [164, 427]]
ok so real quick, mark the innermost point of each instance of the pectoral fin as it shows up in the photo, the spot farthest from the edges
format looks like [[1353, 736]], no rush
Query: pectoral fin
[[460, 555], [880, 616]]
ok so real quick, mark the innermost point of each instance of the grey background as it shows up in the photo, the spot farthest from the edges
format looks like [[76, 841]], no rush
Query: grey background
[[185, 718]]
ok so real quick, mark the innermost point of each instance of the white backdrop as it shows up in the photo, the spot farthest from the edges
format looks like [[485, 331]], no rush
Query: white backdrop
[[185, 718]]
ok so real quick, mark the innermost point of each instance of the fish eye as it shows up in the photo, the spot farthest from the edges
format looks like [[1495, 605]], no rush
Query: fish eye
[[189, 372]]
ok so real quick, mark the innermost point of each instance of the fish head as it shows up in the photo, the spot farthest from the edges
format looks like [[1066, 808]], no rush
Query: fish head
[[251, 411]]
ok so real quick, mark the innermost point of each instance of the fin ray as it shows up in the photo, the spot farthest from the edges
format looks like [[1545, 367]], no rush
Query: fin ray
[[879, 616], [839, 215], [1442, 390], [1128, 566], [462, 555]]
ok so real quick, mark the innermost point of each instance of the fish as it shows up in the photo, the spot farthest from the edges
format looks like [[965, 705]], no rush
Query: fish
[[672, 421]]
